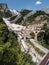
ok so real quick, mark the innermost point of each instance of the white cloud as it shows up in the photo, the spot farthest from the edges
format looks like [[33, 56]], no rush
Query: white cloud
[[38, 2]]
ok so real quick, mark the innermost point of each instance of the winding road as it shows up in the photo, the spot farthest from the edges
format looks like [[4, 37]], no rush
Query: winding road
[[24, 46]]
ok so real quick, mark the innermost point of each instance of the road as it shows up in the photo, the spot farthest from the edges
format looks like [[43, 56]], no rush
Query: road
[[36, 44], [28, 48], [12, 26], [24, 46]]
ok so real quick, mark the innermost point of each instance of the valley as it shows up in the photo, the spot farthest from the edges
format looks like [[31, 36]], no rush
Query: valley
[[24, 36]]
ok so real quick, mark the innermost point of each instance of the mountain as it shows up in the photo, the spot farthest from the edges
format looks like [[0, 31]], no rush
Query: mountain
[[3, 7], [14, 12], [46, 10], [25, 12], [4, 11], [29, 17], [24, 16], [16, 47]]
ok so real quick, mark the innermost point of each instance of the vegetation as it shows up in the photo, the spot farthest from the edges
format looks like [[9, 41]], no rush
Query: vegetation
[[13, 17], [43, 37], [3, 31], [40, 14], [19, 21], [10, 51], [8, 14], [5, 14], [38, 17], [40, 36], [25, 12], [1, 13]]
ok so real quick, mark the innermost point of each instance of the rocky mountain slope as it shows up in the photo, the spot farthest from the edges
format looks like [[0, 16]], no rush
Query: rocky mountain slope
[[25, 17], [16, 49], [28, 17], [46, 10]]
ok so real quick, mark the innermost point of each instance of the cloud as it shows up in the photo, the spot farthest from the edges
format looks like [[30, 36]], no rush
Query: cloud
[[38, 2]]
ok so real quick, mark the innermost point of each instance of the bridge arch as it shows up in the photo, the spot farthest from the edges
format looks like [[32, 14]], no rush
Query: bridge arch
[[35, 34], [32, 34]]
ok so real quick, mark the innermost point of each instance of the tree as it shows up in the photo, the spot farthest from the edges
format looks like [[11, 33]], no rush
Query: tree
[[44, 27], [46, 36], [40, 36], [10, 49]]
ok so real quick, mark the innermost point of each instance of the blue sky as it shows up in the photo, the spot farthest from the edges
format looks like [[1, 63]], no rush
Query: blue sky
[[28, 4]]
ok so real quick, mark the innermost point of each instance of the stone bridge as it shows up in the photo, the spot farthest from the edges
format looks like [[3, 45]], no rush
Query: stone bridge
[[26, 32]]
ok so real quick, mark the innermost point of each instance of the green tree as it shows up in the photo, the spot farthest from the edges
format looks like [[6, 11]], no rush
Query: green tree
[[10, 49]]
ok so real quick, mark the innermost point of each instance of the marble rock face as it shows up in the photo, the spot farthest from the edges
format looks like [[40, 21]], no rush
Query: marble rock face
[[3, 7]]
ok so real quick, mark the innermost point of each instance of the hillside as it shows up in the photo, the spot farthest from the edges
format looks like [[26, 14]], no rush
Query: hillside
[[6, 14], [10, 50], [24, 36], [38, 17], [25, 12]]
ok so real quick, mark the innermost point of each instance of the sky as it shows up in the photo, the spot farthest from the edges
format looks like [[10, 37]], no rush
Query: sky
[[26, 4]]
